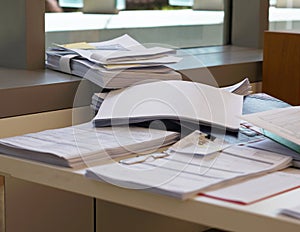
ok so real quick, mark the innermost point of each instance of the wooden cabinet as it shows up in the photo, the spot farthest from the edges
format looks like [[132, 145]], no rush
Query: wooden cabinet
[[281, 66]]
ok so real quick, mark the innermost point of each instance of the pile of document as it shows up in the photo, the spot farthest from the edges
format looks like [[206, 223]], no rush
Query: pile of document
[[114, 64], [184, 175], [189, 103], [83, 145], [241, 88]]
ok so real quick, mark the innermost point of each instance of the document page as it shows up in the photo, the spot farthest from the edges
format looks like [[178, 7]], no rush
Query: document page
[[136, 54], [284, 122], [184, 176], [123, 50], [257, 188], [120, 43], [243, 87], [292, 211], [270, 145]]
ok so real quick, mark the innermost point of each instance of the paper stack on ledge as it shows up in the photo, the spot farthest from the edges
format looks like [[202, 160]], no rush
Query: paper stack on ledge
[[113, 64]]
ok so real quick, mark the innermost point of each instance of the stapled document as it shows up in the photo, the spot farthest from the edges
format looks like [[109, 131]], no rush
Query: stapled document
[[198, 143]]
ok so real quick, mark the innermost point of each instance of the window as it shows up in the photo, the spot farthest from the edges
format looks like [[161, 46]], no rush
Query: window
[[284, 15], [27, 29], [179, 23]]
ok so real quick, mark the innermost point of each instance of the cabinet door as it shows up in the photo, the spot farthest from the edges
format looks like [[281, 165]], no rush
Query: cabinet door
[[32, 207], [112, 217], [281, 66]]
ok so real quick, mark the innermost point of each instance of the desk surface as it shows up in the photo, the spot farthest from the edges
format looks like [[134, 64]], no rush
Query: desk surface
[[260, 216]]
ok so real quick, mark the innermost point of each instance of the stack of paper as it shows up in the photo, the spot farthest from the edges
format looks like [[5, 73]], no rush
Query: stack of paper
[[83, 145], [113, 64], [242, 88], [97, 100], [184, 176], [183, 101]]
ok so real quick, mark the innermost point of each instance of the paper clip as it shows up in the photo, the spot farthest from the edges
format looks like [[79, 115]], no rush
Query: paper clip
[[141, 159]]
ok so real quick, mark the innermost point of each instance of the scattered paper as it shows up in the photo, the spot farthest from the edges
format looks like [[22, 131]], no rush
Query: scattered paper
[[283, 122], [257, 188], [184, 176]]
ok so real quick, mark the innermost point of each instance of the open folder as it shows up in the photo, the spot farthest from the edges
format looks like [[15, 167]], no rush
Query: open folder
[[182, 101], [282, 125]]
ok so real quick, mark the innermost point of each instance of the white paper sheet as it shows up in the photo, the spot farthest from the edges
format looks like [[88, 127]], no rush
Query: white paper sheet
[[258, 188], [284, 122], [292, 211], [197, 143], [183, 100], [243, 87], [270, 145], [183, 176], [126, 50]]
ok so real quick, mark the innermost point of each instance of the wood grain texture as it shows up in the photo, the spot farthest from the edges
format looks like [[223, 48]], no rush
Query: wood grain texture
[[281, 66]]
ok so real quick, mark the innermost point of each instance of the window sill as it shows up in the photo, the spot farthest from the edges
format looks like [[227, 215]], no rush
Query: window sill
[[26, 92]]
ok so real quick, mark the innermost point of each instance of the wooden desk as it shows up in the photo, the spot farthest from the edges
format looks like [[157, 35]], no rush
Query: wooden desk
[[44, 198]]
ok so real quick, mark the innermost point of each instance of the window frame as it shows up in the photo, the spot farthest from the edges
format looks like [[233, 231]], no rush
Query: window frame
[[245, 22]]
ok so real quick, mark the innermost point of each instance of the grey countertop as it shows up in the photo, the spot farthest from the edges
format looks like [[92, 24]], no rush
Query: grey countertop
[[25, 91]]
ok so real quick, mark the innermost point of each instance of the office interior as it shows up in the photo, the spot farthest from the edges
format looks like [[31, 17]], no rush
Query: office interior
[[34, 98]]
